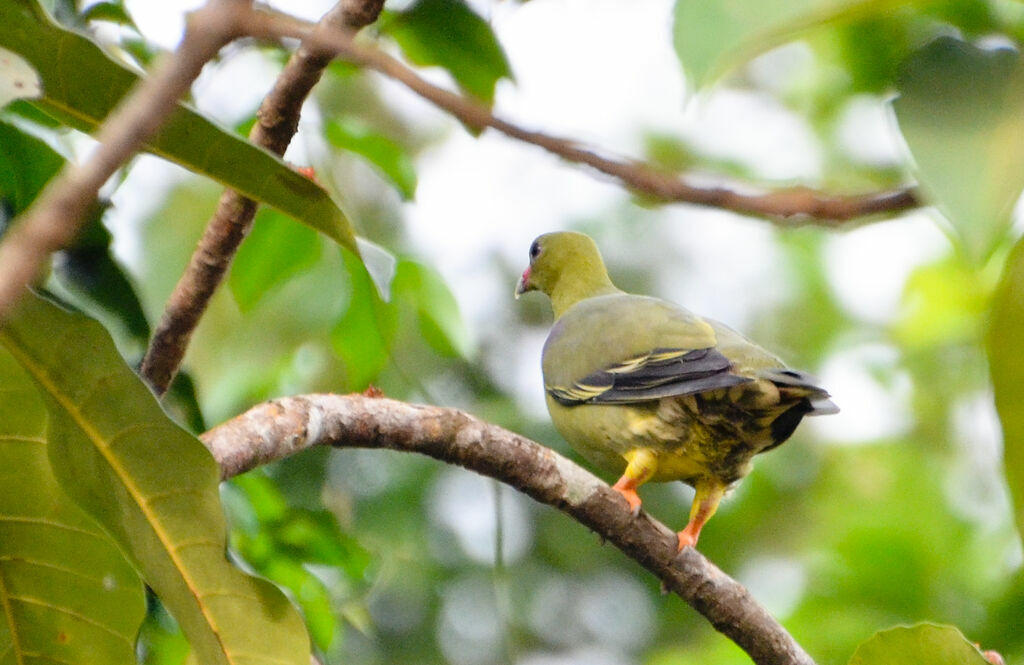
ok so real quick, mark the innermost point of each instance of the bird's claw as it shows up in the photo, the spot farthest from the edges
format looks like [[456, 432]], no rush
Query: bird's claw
[[686, 539], [631, 497]]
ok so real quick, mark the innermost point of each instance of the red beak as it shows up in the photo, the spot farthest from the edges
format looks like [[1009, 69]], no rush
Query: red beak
[[524, 283]]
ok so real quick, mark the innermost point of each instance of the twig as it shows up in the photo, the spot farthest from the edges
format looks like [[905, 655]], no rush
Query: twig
[[794, 205], [54, 220], [282, 427], [277, 122]]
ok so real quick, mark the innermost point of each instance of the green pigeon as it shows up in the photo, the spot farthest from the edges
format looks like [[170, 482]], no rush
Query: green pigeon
[[644, 388]]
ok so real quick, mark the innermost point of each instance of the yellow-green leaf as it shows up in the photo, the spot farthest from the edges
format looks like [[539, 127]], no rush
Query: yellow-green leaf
[[921, 643], [67, 594], [152, 486], [1006, 364]]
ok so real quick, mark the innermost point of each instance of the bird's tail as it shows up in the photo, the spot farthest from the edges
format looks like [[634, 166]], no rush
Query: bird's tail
[[804, 385]]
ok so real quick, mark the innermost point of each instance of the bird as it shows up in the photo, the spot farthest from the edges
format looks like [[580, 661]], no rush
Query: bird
[[644, 388]]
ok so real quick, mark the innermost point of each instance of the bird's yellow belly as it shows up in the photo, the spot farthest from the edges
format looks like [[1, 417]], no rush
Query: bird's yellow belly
[[606, 436]]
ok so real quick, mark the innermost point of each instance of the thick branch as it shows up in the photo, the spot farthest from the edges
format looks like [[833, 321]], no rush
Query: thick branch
[[285, 426], [795, 205], [54, 220], [277, 122]]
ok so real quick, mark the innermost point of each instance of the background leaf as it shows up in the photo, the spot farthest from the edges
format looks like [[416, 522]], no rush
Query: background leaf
[[81, 85], [88, 266], [447, 33], [151, 485], [390, 158], [709, 36], [959, 111], [922, 643], [440, 321], [67, 594], [274, 251], [26, 165], [362, 336]]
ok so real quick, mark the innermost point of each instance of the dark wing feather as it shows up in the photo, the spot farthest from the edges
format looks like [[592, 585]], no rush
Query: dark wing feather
[[659, 373]]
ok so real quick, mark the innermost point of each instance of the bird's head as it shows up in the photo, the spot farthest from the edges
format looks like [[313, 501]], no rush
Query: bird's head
[[567, 266]]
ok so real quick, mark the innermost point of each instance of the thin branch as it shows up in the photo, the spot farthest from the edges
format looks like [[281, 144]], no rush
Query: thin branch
[[283, 427], [277, 122], [793, 205], [55, 218]]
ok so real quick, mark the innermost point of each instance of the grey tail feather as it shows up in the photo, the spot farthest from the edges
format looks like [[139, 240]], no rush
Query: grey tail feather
[[822, 406], [818, 399]]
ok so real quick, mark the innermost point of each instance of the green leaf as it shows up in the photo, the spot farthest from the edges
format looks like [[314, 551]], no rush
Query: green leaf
[[81, 85], [390, 158], [1006, 364], [363, 335], [959, 111], [67, 594], [441, 323], [151, 485], [447, 33], [281, 540], [87, 268], [710, 37], [108, 11], [921, 643], [26, 165], [274, 251]]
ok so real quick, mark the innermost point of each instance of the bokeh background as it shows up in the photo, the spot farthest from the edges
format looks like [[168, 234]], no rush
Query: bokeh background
[[893, 511]]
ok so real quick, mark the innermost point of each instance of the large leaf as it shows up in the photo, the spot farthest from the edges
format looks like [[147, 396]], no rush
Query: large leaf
[[67, 594], [151, 485], [960, 112], [81, 85], [922, 643], [1006, 363], [710, 36], [449, 34]]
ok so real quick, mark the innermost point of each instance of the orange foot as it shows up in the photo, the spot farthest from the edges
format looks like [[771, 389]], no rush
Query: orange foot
[[628, 492], [687, 539]]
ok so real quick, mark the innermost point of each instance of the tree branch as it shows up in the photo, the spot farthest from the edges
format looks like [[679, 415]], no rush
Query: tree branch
[[793, 206], [55, 218], [282, 427], [277, 122]]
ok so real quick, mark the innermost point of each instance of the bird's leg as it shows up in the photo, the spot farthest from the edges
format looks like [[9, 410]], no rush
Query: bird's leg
[[705, 503], [641, 465]]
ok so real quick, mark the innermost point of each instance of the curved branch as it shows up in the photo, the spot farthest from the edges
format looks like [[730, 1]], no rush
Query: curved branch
[[282, 427], [794, 205], [277, 122]]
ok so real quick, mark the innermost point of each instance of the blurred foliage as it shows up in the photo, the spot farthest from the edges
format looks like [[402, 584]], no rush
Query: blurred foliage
[[449, 34], [897, 515]]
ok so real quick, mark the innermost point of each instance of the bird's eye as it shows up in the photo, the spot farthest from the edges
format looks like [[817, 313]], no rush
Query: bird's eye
[[534, 250]]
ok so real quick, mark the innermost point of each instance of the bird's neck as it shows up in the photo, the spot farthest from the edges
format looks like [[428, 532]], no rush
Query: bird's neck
[[575, 287]]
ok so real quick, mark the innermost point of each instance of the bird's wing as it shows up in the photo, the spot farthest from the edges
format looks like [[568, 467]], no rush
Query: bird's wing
[[622, 349], [661, 372]]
